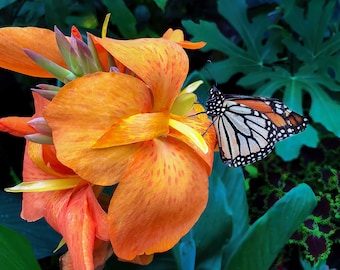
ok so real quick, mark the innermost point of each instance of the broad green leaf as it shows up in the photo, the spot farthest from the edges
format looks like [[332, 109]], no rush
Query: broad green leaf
[[15, 251], [5, 3], [41, 236], [209, 32], [122, 17], [314, 45], [161, 4], [246, 60], [325, 110], [185, 252], [289, 148], [311, 28], [214, 228], [259, 247]]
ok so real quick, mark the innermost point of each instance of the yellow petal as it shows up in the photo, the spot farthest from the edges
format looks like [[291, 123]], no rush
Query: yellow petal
[[191, 133], [45, 185], [183, 103]]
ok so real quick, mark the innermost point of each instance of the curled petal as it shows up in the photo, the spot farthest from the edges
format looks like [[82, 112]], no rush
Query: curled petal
[[33, 204], [178, 36], [42, 41], [151, 215], [136, 128], [77, 215], [161, 64], [109, 97]]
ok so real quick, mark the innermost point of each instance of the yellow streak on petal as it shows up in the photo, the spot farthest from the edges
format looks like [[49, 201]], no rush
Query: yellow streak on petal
[[191, 133], [135, 128], [45, 185], [105, 24]]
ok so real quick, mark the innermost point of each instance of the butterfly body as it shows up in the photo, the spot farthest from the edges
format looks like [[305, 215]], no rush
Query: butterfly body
[[248, 127]]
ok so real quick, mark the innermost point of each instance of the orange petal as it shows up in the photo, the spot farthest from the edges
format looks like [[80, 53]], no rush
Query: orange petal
[[158, 200], [77, 215], [33, 204], [39, 164], [83, 111], [16, 126], [102, 252], [178, 36], [161, 64], [136, 128], [39, 40], [141, 259], [192, 45], [174, 35]]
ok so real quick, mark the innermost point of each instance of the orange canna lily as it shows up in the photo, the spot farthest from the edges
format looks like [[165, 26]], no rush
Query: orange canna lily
[[41, 164], [128, 127], [126, 134]]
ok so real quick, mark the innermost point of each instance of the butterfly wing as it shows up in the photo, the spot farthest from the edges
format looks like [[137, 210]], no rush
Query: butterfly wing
[[244, 135], [248, 127]]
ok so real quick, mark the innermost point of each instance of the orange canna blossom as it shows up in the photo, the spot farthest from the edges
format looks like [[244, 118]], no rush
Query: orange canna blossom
[[125, 134], [43, 174], [126, 127], [80, 204]]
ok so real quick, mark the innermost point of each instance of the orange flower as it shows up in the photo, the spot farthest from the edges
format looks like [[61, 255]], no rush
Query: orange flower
[[43, 174], [116, 128], [128, 127]]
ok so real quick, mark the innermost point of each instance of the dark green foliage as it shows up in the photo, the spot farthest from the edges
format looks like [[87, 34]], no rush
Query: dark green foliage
[[288, 51], [319, 168], [15, 251]]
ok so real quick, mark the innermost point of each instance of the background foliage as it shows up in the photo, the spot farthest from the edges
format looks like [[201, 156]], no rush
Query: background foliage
[[287, 49]]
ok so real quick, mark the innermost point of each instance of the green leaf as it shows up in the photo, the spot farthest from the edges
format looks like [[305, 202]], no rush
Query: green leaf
[[289, 148], [15, 251], [161, 4], [239, 60], [122, 17], [324, 110], [259, 247], [314, 45], [213, 230], [5, 3]]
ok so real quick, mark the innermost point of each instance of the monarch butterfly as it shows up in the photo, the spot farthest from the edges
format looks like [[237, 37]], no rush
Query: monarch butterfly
[[248, 127]]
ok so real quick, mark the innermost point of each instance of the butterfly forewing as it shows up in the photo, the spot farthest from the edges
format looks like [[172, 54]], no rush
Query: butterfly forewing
[[248, 127]]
